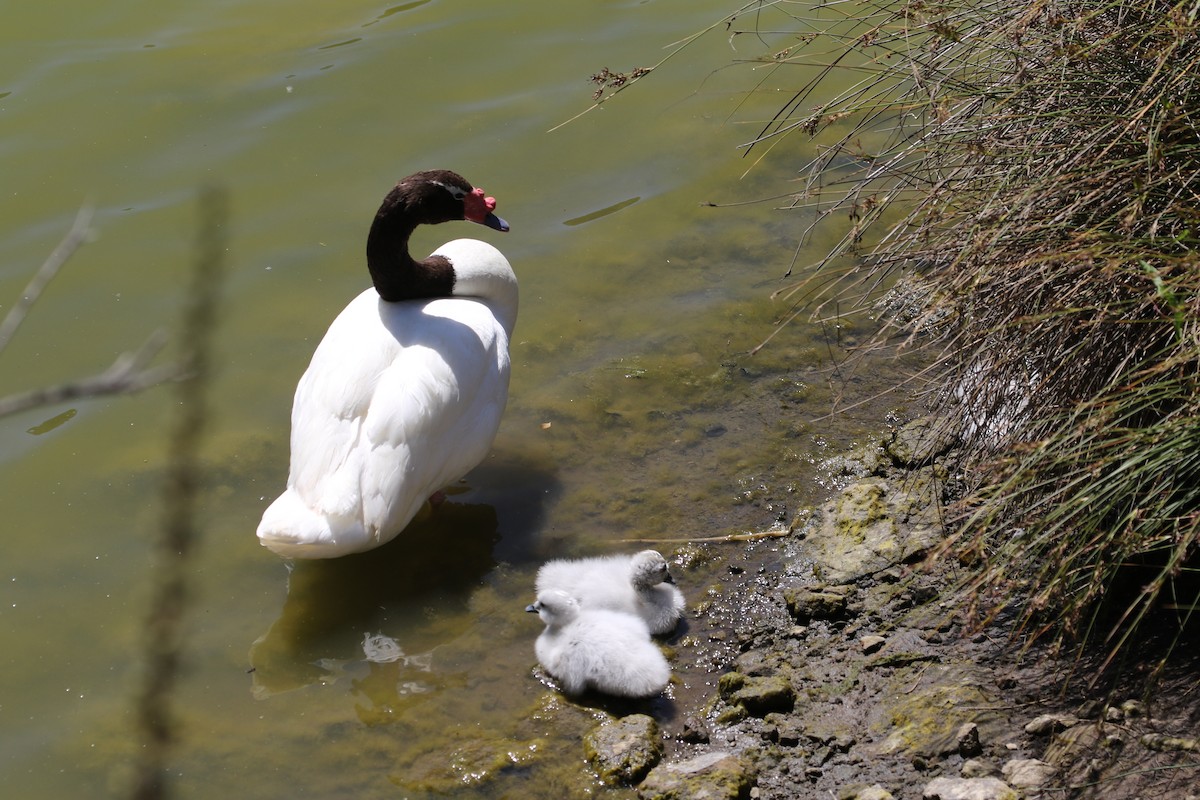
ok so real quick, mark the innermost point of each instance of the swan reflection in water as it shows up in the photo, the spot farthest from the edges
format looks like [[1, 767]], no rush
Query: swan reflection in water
[[348, 617]]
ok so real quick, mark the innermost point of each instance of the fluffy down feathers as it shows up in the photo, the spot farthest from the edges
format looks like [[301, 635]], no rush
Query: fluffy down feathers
[[608, 651], [637, 584]]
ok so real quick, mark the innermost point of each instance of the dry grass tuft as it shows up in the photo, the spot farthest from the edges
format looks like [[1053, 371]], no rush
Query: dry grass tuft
[[1043, 162]]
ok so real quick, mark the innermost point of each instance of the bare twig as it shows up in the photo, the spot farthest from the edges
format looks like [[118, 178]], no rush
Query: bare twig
[[74, 239], [128, 374], [731, 537]]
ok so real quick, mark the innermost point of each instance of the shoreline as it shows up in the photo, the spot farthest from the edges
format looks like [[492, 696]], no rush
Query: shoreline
[[860, 679]]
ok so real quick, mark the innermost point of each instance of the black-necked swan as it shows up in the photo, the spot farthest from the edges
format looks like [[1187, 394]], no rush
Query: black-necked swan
[[640, 584], [404, 394], [609, 651]]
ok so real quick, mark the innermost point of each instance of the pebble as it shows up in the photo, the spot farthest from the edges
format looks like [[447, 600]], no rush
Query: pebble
[[871, 644], [1028, 773], [974, 768], [968, 740], [873, 792], [944, 788], [1047, 724]]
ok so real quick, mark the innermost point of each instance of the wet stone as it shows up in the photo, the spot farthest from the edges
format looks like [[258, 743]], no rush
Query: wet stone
[[712, 776], [695, 731], [755, 662], [623, 751], [475, 762], [875, 792], [807, 603], [1073, 744], [925, 723], [759, 695]]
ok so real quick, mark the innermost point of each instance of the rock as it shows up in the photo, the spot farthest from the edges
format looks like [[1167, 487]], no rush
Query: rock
[[731, 715], [925, 722], [729, 683], [1047, 724], [1133, 709], [1028, 773], [712, 776], [899, 659], [871, 644], [808, 603], [759, 695], [785, 729], [974, 768], [625, 750], [1162, 743], [969, 789], [820, 731], [756, 662], [1091, 709], [695, 731], [968, 740], [919, 442], [873, 792], [1073, 744], [868, 528], [474, 763]]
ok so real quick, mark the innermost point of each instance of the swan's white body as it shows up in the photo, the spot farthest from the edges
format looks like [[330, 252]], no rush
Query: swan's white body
[[400, 400], [636, 584], [609, 651]]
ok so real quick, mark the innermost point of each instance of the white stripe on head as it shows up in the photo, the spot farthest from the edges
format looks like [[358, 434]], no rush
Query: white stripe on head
[[457, 192]]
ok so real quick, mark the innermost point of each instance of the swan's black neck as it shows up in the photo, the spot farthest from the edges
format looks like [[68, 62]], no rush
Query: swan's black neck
[[396, 274]]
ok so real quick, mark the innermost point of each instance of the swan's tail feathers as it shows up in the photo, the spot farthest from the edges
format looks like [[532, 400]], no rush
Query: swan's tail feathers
[[292, 529]]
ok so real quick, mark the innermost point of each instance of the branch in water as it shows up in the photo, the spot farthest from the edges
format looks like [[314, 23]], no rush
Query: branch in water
[[127, 375], [45, 273]]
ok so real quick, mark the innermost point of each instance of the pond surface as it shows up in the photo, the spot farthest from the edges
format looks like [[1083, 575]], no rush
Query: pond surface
[[635, 412]]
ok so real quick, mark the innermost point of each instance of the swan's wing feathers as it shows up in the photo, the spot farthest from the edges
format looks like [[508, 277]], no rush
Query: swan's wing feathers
[[398, 401], [434, 413]]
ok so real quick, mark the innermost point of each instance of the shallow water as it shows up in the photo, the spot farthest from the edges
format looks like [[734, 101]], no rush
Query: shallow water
[[634, 410]]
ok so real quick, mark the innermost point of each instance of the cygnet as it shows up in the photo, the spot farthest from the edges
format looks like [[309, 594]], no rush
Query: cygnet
[[609, 651], [637, 584]]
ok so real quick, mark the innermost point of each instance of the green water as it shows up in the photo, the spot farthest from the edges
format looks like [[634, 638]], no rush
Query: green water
[[634, 410]]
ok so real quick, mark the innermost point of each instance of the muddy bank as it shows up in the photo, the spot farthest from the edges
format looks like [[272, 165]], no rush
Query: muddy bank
[[845, 671]]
